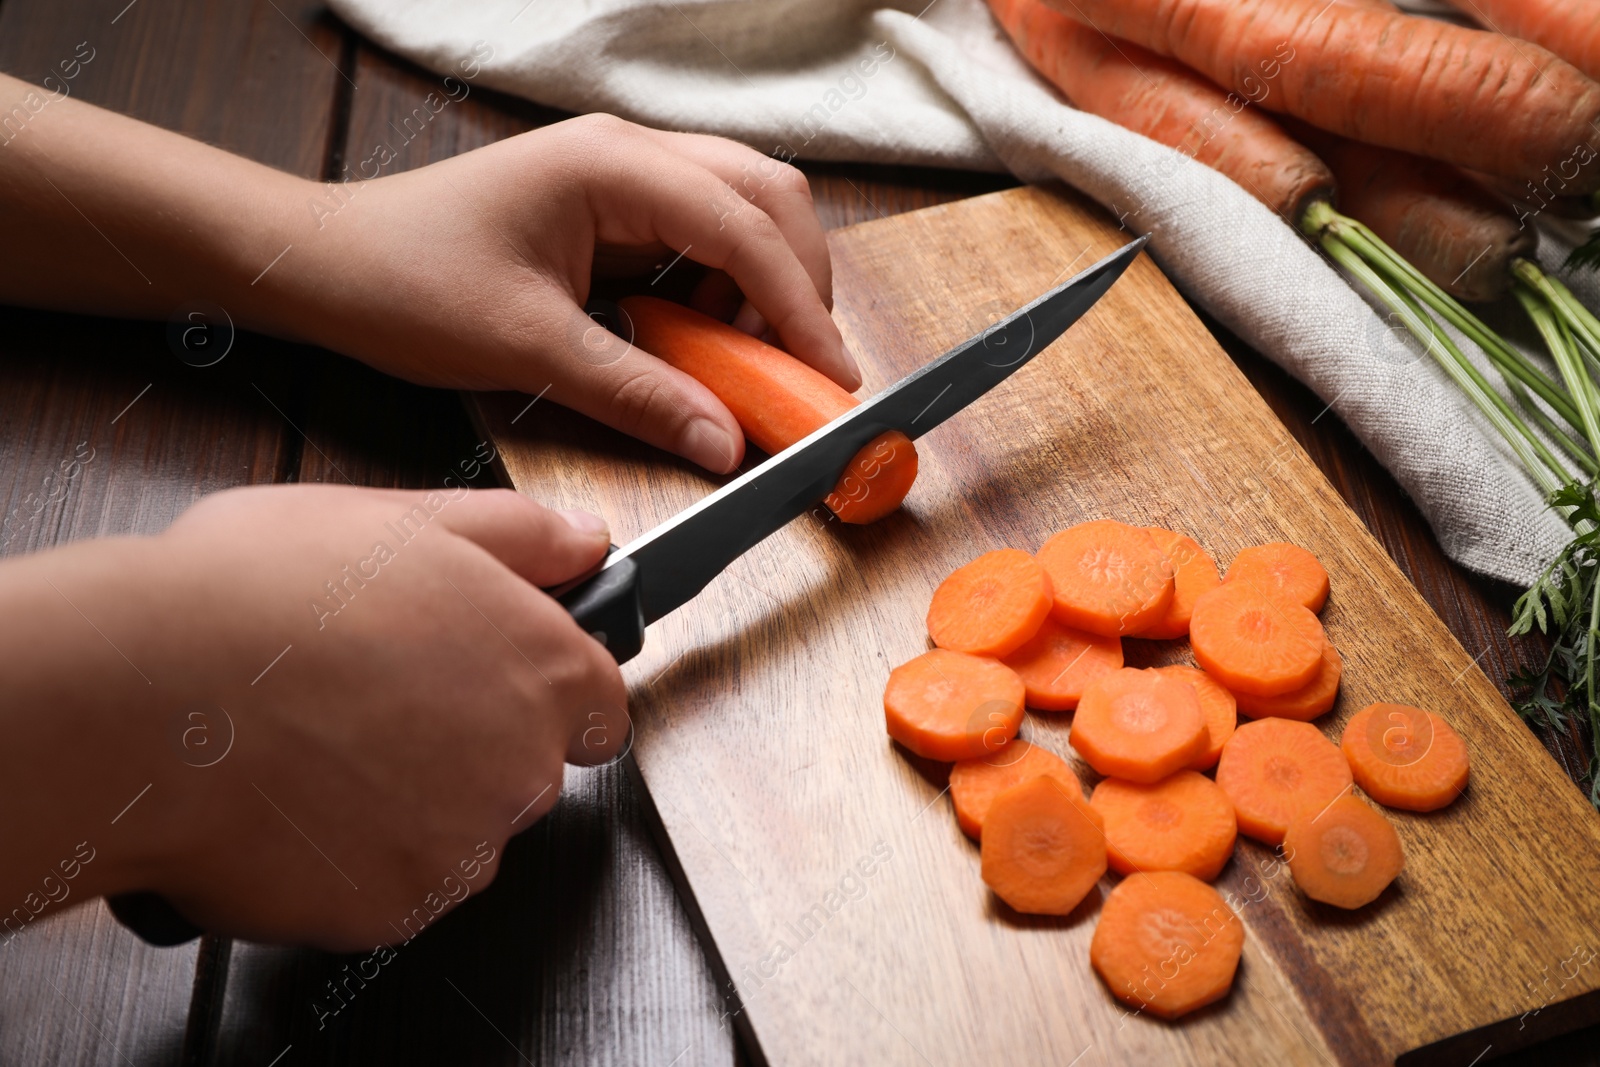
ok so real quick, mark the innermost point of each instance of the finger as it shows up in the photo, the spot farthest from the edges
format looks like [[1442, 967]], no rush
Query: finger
[[544, 547], [717, 296], [603, 732]]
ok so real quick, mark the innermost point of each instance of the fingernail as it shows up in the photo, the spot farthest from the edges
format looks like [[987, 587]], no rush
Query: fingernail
[[749, 320], [587, 523], [708, 444]]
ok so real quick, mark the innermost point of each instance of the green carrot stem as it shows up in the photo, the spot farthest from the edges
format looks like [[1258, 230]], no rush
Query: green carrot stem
[[1565, 353]]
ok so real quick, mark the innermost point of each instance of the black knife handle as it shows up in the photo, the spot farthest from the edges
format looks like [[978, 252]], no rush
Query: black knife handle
[[153, 919]]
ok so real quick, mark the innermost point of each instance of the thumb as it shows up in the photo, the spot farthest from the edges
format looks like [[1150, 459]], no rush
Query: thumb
[[544, 547]]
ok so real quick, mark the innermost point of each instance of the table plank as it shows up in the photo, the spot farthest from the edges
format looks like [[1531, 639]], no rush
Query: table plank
[[103, 430]]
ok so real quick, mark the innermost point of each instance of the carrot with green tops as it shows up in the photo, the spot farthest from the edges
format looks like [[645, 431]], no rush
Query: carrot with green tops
[[776, 399], [1140, 725], [991, 606], [1043, 847], [1057, 663], [1459, 95], [1108, 578], [1255, 641], [1219, 707], [951, 706], [1306, 703], [1193, 573], [1284, 569], [1273, 769], [1166, 943], [1405, 757], [1345, 855], [1184, 822], [974, 783], [1569, 28]]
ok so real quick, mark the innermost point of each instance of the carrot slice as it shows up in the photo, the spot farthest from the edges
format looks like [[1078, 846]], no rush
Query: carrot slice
[[1138, 724], [1346, 855], [1182, 823], [1219, 707], [1058, 662], [1405, 757], [1043, 847], [1255, 643], [1109, 578], [1305, 703], [1166, 943], [876, 480], [1194, 573], [1285, 569], [951, 706], [1273, 769], [974, 783], [990, 606]]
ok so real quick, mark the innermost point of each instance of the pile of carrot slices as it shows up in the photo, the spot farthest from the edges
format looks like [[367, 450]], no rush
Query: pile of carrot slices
[[1179, 779]]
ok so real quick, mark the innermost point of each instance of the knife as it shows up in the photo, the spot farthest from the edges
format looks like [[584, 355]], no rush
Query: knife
[[665, 568]]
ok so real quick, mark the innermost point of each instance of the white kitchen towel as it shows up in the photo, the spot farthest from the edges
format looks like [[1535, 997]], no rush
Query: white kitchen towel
[[938, 84]]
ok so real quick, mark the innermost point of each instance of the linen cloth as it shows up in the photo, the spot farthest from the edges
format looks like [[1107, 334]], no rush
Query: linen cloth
[[939, 84]]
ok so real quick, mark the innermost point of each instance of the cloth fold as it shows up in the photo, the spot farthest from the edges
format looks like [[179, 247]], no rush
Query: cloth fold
[[940, 85]]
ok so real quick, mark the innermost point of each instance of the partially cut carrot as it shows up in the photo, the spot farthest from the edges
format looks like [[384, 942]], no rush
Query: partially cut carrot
[[1140, 725], [1255, 642], [1273, 769], [1182, 823], [776, 399], [1405, 757], [1109, 578], [1194, 572], [1220, 708], [1043, 847], [1282, 568], [1345, 855], [990, 606], [1058, 662], [1305, 703], [1166, 943], [974, 783], [951, 706]]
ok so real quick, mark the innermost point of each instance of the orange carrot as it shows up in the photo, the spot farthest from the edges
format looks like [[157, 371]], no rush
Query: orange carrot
[[1405, 757], [1169, 103], [1345, 855], [1138, 724], [1109, 578], [1305, 703], [1419, 85], [1058, 662], [1194, 573], [1166, 943], [1273, 769], [1043, 847], [1182, 823], [776, 399], [974, 783], [951, 706], [990, 606], [1220, 708], [1569, 28], [1255, 643], [1284, 569]]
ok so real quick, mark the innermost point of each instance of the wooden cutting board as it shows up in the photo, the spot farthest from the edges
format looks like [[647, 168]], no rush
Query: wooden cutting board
[[842, 902]]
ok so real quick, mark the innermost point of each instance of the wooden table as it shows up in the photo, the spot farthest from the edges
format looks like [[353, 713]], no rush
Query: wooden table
[[581, 953]]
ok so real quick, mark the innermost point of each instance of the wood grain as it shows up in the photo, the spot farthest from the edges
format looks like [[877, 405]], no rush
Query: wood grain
[[759, 725]]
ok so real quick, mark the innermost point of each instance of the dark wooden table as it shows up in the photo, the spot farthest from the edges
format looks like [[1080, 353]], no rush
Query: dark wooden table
[[581, 953]]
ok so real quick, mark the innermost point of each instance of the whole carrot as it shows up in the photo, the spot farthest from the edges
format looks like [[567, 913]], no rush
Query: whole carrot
[[1464, 96], [1569, 28]]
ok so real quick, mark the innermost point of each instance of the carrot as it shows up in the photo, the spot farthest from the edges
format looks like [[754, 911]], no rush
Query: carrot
[[1305, 703], [1043, 847], [776, 399], [1193, 573], [1182, 823], [1419, 85], [1109, 578], [1220, 708], [1345, 855], [991, 606], [951, 706], [1460, 235], [1405, 757], [1569, 28], [1058, 662], [1166, 943], [1273, 769], [1168, 103], [1284, 569], [1138, 724], [1253, 642], [974, 783]]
